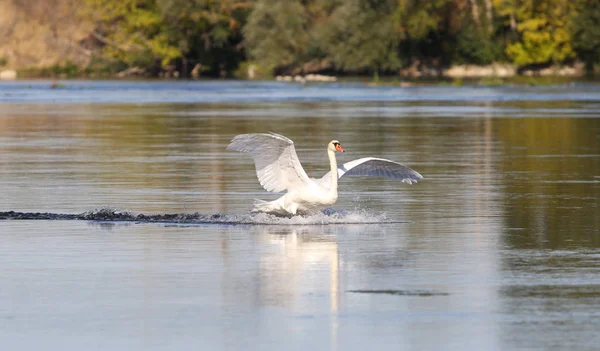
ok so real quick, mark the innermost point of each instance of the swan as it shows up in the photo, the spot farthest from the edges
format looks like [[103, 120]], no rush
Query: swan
[[278, 169]]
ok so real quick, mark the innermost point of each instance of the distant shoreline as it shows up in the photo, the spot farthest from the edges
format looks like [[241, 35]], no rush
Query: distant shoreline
[[55, 82], [494, 74]]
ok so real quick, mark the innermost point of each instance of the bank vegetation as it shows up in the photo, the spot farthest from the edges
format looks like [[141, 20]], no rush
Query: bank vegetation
[[265, 38]]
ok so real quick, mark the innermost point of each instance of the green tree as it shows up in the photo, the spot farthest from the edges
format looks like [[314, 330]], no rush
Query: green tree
[[279, 34], [585, 31], [418, 18], [361, 35], [422, 27], [473, 46], [133, 32], [148, 33], [206, 31], [542, 27]]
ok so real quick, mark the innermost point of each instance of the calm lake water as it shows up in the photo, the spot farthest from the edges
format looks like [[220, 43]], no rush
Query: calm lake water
[[497, 249]]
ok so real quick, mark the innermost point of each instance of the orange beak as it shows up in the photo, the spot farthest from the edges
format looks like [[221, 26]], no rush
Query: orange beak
[[339, 148]]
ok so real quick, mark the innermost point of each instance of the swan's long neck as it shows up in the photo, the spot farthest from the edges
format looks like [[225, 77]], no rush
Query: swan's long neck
[[334, 173]]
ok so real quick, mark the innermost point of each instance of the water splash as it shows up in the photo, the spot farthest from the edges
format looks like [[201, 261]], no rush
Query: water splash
[[326, 217]]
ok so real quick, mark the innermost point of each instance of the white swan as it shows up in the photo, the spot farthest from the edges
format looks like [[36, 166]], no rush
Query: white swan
[[278, 169]]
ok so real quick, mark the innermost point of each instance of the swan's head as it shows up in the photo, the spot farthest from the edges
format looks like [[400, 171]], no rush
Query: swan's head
[[334, 145]]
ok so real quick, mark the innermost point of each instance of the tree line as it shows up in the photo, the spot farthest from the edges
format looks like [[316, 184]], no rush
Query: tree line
[[220, 37]]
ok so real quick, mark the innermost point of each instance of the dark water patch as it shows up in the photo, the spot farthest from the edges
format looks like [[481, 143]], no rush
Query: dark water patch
[[109, 215], [423, 293], [553, 291]]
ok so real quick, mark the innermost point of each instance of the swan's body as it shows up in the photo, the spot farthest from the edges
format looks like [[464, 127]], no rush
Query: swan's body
[[278, 169]]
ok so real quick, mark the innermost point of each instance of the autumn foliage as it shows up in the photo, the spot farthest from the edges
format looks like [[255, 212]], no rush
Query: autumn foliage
[[349, 36]]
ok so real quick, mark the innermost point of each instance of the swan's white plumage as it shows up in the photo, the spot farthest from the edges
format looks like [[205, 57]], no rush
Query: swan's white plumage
[[278, 169], [277, 165]]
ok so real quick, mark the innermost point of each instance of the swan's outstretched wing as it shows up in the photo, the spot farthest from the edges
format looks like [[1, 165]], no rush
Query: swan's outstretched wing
[[375, 167], [277, 165]]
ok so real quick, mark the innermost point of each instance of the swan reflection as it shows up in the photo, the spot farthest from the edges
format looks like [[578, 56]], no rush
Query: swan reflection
[[297, 260]]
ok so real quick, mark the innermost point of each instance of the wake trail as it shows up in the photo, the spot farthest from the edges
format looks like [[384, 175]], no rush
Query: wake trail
[[327, 217]]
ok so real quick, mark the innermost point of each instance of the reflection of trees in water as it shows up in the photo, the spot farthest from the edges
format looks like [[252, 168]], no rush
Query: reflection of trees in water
[[550, 169]]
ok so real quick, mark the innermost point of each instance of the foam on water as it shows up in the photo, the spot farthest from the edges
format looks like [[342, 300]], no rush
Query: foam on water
[[326, 217]]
